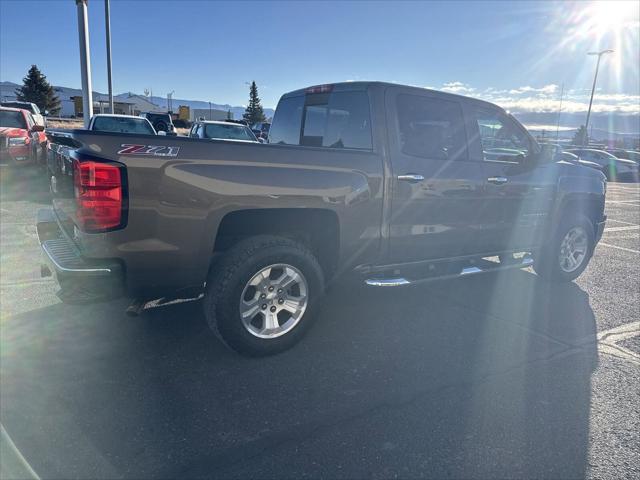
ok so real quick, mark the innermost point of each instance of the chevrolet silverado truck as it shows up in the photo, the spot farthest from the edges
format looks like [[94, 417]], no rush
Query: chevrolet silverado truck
[[394, 184]]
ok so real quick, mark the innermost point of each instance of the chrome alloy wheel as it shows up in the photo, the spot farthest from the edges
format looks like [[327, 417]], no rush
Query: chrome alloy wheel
[[273, 301], [573, 249]]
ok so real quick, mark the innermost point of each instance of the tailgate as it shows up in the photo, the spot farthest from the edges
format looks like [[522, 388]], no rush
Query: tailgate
[[60, 166]]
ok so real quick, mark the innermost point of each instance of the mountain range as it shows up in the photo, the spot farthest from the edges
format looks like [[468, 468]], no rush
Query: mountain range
[[602, 125], [7, 91]]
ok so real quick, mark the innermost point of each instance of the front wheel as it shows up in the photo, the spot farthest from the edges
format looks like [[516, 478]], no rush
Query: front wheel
[[569, 252], [261, 295]]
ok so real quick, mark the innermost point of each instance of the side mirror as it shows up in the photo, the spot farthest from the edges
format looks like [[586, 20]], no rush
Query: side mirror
[[46, 113], [261, 140], [162, 134], [38, 128]]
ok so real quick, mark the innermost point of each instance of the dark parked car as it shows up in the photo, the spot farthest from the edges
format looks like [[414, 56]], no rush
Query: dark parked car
[[261, 129], [388, 182], [614, 168], [161, 122], [222, 131]]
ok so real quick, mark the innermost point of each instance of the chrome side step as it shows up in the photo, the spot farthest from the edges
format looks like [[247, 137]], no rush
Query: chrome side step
[[481, 266], [387, 282]]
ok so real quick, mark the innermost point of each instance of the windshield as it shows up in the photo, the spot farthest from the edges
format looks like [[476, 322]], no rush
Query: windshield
[[123, 125], [12, 119], [228, 132]]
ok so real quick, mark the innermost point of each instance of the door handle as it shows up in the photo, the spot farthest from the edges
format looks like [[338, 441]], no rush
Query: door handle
[[497, 180], [410, 177]]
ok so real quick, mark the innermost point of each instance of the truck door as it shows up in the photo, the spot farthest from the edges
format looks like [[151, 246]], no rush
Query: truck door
[[436, 187], [519, 192]]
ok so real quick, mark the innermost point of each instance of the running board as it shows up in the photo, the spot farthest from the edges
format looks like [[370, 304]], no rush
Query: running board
[[482, 266]]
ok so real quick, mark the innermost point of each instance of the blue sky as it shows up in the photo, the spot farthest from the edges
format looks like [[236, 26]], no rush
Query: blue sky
[[517, 54]]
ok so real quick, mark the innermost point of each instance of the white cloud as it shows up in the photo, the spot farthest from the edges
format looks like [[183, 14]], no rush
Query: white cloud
[[546, 99], [457, 87], [547, 89]]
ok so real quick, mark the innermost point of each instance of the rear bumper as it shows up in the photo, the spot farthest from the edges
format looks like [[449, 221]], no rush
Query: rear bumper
[[600, 228], [81, 280]]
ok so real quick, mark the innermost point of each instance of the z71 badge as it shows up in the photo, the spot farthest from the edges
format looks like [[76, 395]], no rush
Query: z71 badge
[[155, 150]]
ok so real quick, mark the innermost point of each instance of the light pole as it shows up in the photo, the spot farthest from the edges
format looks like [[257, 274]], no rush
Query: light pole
[[85, 62], [107, 25], [593, 89]]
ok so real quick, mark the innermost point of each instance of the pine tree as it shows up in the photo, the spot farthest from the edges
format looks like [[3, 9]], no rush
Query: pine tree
[[36, 89], [254, 113], [580, 137]]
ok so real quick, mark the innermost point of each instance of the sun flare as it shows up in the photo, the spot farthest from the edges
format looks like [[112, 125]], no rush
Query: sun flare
[[612, 16]]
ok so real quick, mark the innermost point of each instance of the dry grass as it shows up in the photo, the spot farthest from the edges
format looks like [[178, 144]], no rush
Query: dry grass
[[72, 123]]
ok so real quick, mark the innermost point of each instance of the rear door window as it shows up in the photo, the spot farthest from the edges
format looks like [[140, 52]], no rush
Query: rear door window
[[431, 128], [331, 120]]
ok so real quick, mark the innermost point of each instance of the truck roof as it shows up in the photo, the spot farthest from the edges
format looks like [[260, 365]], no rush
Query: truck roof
[[12, 109], [364, 85], [221, 122], [115, 115]]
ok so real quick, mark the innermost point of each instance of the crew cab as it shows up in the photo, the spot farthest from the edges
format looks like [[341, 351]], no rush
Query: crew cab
[[394, 184], [22, 141]]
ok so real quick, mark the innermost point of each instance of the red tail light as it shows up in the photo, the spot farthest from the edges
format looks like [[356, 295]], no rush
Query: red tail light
[[99, 196]]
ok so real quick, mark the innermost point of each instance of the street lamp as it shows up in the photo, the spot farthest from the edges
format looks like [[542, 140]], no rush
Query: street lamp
[[107, 27], [593, 89]]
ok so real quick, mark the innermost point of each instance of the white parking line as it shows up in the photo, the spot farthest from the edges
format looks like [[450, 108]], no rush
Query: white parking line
[[620, 221], [608, 341], [14, 464], [622, 229], [619, 248]]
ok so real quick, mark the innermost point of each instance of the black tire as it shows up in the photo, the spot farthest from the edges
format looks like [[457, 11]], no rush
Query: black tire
[[161, 127], [547, 264], [231, 273]]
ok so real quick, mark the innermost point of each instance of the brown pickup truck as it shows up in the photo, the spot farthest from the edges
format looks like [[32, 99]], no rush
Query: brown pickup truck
[[396, 184]]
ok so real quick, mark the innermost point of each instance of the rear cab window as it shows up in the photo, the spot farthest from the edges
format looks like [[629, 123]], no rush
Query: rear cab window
[[325, 119], [123, 125]]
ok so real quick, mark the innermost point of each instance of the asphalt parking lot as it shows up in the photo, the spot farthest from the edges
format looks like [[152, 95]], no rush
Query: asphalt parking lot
[[497, 376]]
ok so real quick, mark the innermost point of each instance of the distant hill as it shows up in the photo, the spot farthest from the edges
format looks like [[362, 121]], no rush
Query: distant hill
[[7, 92]]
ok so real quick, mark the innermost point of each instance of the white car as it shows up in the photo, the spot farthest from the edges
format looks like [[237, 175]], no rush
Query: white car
[[616, 169], [29, 107]]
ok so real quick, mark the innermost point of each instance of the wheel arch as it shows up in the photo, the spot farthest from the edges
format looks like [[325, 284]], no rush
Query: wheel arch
[[318, 229]]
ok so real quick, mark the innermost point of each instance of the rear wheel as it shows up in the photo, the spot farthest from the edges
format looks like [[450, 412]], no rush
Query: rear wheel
[[161, 127], [569, 252], [261, 295]]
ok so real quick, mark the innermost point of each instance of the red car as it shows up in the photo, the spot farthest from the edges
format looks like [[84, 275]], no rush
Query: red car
[[21, 139]]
